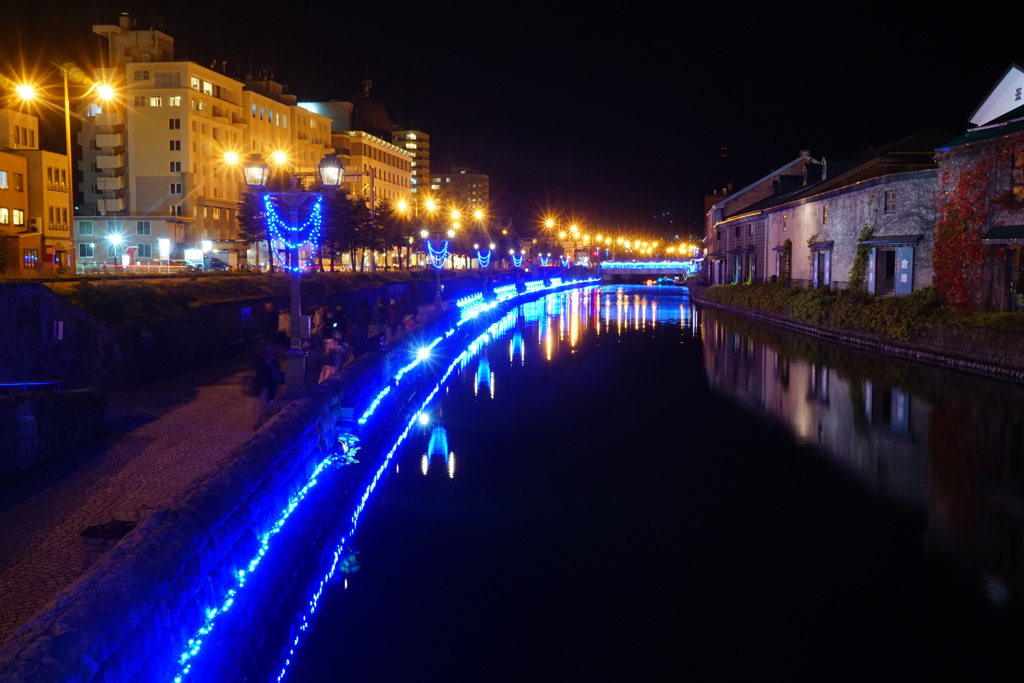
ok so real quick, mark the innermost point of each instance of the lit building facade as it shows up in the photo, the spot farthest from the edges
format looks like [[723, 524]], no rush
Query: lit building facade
[[417, 143], [376, 170], [157, 175], [35, 203], [462, 187]]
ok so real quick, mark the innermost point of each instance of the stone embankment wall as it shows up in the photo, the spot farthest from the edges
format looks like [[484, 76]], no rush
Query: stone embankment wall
[[44, 337], [40, 426], [971, 349]]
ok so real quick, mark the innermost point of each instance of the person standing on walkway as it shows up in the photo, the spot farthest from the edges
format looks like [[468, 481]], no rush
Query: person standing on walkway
[[266, 377]]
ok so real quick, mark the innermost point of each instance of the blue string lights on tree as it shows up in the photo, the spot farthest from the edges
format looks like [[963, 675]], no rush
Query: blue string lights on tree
[[484, 259], [293, 237], [438, 256]]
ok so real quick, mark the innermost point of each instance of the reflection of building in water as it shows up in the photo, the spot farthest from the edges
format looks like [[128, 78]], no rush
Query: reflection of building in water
[[959, 453], [877, 431]]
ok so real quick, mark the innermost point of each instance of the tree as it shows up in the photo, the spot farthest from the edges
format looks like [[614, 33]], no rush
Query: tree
[[340, 226], [252, 224]]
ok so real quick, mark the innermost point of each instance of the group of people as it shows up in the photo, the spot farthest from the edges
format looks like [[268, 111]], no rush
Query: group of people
[[334, 341]]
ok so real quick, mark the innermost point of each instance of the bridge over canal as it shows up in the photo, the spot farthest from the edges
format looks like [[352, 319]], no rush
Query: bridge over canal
[[638, 271]]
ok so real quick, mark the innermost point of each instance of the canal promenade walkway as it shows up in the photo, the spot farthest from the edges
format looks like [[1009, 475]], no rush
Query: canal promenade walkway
[[162, 437]]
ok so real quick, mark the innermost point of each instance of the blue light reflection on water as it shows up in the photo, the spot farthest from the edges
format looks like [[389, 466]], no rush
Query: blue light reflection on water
[[194, 647]]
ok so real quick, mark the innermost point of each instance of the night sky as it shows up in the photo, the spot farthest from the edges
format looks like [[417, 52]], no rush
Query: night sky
[[613, 119]]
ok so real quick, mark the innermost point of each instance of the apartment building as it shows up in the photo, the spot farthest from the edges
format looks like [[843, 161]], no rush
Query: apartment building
[[160, 166]]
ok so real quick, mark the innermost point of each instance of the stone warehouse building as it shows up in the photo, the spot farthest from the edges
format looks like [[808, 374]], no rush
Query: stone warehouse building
[[808, 229]]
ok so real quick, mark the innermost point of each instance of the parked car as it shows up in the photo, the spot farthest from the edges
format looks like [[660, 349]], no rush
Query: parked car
[[216, 264]]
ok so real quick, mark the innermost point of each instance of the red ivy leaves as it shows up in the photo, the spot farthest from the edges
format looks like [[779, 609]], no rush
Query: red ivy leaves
[[963, 212]]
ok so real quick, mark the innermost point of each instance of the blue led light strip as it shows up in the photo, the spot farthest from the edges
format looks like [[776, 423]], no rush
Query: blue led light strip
[[437, 257], [195, 643], [517, 262], [484, 259], [544, 260], [565, 262]]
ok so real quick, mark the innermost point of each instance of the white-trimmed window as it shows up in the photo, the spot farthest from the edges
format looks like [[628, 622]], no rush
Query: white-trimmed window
[[175, 188], [86, 250], [144, 228], [144, 251], [85, 228]]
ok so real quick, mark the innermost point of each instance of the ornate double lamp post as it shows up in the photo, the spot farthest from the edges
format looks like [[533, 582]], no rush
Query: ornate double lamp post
[[293, 235]]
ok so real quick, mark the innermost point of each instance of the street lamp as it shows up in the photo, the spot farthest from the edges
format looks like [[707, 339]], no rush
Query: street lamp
[[256, 173], [27, 92]]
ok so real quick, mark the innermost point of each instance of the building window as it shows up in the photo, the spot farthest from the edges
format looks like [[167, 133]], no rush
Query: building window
[[174, 101], [85, 250], [784, 219], [145, 251], [85, 227], [177, 210], [194, 82], [30, 259], [144, 228], [824, 214], [5, 216], [175, 145], [156, 101], [175, 167], [3, 180], [175, 188], [890, 201], [18, 216], [142, 75], [174, 124], [139, 101], [18, 182]]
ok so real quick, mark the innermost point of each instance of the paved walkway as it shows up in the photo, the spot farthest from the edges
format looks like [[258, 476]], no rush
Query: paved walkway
[[163, 436]]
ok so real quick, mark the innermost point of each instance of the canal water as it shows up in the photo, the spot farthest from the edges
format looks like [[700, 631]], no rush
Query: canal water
[[621, 486]]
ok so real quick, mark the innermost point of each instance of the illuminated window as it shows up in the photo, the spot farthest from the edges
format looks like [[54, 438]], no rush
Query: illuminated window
[[3, 180], [5, 216], [194, 83], [156, 101], [890, 201], [18, 217], [174, 101], [824, 214]]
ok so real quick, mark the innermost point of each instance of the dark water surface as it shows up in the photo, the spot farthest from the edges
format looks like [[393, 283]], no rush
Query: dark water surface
[[643, 491]]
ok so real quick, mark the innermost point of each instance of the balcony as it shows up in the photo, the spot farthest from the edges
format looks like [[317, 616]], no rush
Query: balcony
[[110, 161], [110, 119], [107, 206], [106, 184], [108, 140]]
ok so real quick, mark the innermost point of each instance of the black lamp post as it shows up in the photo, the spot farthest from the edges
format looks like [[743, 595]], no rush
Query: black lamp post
[[256, 173]]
